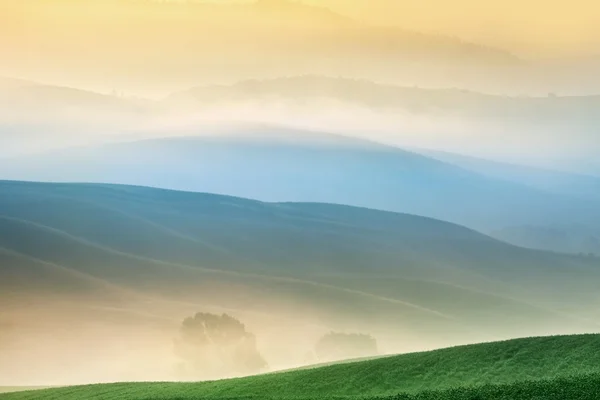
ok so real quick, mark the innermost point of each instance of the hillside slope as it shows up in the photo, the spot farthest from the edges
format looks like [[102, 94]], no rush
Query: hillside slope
[[560, 182], [516, 363], [574, 239], [417, 100], [142, 259], [451, 119], [546, 235], [276, 164]]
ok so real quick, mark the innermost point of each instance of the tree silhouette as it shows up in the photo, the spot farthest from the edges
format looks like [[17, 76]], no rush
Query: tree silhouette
[[217, 345]]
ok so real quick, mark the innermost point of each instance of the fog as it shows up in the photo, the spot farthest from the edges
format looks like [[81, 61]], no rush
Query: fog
[[469, 123], [97, 279], [58, 344], [70, 341], [550, 132], [150, 49]]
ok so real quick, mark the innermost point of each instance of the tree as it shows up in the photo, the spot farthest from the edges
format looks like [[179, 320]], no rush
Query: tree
[[339, 346], [217, 345]]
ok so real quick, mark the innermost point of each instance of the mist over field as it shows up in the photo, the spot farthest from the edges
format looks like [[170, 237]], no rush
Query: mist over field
[[194, 190], [103, 275], [550, 132]]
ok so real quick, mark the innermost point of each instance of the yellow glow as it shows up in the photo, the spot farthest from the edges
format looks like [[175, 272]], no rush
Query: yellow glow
[[102, 44], [526, 26]]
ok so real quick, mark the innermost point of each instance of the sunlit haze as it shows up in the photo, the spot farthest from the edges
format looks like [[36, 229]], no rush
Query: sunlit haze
[[198, 190]]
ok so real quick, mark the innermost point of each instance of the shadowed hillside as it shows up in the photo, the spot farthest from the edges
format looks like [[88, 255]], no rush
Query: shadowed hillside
[[276, 164], [81, 259]]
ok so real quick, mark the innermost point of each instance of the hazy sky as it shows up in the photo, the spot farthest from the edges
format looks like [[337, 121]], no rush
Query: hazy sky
[[531, 27], [156, 47]]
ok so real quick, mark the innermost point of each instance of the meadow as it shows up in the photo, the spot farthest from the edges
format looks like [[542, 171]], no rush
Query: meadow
[[561, 367]]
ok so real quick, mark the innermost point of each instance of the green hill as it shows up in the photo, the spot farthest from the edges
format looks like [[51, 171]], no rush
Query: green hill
[[114, 235], [13, 389], [84, 264], [269, 163], [518, 369]]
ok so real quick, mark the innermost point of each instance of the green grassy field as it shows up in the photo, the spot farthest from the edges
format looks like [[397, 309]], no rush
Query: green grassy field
[[560, 367], [11, 389], [586, 387]]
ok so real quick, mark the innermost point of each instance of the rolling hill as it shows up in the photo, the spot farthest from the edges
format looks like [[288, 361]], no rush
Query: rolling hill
[[12, 83], [531, 129], [568, 238], [445, 118], [142, 259], [523, 369], [32, 101], [278, 164], [574, 239], [559, 182], [550, 111], [36, 117], [419, 100]]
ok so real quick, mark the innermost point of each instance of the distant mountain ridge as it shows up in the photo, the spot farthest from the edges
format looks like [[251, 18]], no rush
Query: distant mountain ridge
[[372, 94], [568, 239], [421, 117], [278, 164], [574, 184]]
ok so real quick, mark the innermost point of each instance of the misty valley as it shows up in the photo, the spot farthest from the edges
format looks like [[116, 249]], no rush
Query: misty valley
[[299, 200]]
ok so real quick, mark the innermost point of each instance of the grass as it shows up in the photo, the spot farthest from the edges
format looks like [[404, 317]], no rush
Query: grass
[[533, 368], [585, 387], [11, 389]]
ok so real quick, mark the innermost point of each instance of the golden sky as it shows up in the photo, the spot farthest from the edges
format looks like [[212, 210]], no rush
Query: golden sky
[[134, 44], [528, 27], [543, 27]]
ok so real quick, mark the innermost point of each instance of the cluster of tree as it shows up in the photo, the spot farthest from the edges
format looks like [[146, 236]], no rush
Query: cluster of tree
[[212, 346], [217, 345]]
